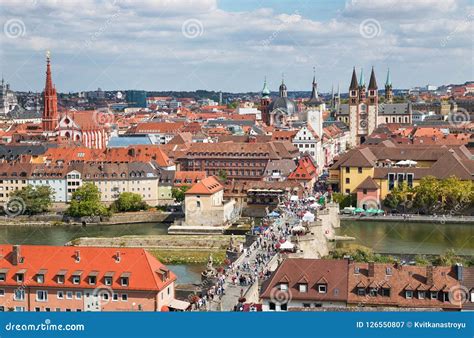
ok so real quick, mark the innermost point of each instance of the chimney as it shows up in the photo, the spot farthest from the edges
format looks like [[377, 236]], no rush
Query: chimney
[[117, 257], [459, 271], [429, 275], [371, 269], [16, 255], [77, 256]]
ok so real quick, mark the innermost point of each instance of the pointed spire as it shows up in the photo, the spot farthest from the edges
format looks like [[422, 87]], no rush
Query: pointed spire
[[332, 91], [49, 82], [283, 91], [388, 82], [354, 85], [314, 92], [265, 90], [361, 79], [338, 91], [372, 82]]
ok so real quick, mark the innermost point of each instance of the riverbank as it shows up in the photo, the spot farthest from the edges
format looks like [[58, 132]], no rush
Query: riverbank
[[441, 219], [169, 249], [54, 220]]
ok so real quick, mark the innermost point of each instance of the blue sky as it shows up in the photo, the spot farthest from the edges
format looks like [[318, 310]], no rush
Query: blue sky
[[232, 45]]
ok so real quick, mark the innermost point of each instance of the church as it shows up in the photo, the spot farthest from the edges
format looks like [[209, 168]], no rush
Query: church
[[71, 126], [363, 113]]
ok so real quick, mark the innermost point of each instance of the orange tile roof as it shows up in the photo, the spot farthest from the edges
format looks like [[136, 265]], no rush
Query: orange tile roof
[[142, 267], [207, 186], [305, 171], [181, 178]]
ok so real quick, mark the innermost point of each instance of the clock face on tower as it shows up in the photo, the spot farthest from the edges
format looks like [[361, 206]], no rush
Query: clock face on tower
[[363, 124]]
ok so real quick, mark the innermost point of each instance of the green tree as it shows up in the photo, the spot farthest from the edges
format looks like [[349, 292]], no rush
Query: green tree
[[222, 175], [399, 198], [179, 193], [426, 195], [35, 199], [448, 258], [128, 201], [86, 202]]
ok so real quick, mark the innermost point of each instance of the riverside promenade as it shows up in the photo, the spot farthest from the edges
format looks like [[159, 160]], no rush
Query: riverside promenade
[[439, 219]]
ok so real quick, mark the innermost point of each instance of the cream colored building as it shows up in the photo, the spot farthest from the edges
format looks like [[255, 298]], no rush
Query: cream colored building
[[112, 179], [205, 205]]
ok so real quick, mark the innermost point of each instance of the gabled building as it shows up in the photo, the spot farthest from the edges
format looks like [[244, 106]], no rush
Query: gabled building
[[205, 205], [395, 285], [306, 283], [67, 278], [305, 173]]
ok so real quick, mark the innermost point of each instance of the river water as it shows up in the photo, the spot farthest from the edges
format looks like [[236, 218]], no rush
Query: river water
[[60, 235], [383, 237], [410, 238]]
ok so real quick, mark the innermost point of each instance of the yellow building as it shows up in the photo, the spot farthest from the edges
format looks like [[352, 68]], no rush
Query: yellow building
[[390, 165]]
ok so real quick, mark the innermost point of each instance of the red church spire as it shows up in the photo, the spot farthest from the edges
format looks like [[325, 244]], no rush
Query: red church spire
[[50, 99]]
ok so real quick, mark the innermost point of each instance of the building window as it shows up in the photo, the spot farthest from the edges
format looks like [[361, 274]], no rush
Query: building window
[[60, 279], [69, 295], [421, 294], [115, 297], [348, 191], [19, 278], [41, 296], [373, 292], [364, 191], [388, 271], [386, 292], [60, 295], [434, 295], [40, 279], [307, 305], [348, 180], [108, 280], [78, 295], [19, 294], [361, 291], [348, 170], [359, 170], [76, 279], [322, 288], [408, 294], [284, 307], [303, 287], [272, 306], [92, 280], [124, 297], [2, 293], [2, 277], [284, 286], [124, 281]]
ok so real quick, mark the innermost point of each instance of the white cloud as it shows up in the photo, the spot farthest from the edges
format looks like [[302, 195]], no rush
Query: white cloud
[[142, 41]]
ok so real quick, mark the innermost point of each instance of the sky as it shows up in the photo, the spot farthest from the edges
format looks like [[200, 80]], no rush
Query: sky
[[232, 45]]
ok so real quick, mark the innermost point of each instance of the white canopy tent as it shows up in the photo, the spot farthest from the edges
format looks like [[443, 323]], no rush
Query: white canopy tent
[[308, 217], [287, 246]]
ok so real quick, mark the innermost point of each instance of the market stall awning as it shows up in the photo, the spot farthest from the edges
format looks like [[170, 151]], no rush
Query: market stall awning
[[179, 304]]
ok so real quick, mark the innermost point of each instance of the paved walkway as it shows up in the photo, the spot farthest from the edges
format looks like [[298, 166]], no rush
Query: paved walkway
[[233, 292]]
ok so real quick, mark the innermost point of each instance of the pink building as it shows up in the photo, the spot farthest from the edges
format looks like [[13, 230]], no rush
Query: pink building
[[56, 278]]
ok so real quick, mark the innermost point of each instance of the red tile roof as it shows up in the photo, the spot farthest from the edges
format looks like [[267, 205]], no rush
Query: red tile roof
[[207, 186], [142, 267]]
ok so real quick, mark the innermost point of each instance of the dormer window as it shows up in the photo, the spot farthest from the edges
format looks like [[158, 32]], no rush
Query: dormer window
[[356, 270], [3, 275], [434, 295], [20, 276], [386, 292], [373, 292], [125, 279], [40, 279], [408, 294], [388, 271], [283, 287], [76, 277], [92, 278], [322, 288], [361, 291], [303, 287], [421, 295]]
